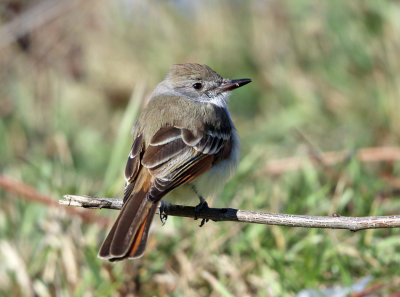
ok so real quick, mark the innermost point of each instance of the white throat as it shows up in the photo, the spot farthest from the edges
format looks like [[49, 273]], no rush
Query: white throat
[[218, 100]]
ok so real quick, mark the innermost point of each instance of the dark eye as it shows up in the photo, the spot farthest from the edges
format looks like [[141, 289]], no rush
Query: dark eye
[[197, 86]]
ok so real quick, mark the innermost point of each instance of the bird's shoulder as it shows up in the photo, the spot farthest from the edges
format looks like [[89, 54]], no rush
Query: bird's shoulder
[[178, 111]]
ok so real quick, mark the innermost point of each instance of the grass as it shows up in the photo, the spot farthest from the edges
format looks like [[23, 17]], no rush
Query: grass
[[325, 76]]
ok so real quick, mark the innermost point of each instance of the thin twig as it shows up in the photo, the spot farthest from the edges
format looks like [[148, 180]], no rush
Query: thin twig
[[29, 193], [236, 215]]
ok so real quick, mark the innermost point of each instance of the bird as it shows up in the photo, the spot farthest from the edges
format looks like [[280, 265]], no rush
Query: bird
[[185, 146]]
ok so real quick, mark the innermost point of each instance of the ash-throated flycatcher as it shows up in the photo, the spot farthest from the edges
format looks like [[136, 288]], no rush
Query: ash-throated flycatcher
[[184, 145]]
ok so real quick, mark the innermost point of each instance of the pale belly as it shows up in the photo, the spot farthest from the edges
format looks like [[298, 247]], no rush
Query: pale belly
[[209, 184]]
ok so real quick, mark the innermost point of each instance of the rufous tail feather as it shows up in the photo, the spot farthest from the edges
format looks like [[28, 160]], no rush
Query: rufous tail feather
[[128, 236]]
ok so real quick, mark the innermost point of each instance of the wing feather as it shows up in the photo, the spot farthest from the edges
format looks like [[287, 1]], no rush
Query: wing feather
[[165, 135], [156, 155], [133, 165]]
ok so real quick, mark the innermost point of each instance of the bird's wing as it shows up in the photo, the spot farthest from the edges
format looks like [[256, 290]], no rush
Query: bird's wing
[[175, 156]]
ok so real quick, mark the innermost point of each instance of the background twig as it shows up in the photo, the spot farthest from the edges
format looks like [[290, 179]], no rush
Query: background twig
[[236, 215], [31, 194]]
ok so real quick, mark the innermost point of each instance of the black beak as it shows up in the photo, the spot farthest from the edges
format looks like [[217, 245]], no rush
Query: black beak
[[233, 84]]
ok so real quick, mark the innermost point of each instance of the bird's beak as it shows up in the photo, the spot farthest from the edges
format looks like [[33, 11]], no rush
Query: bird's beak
[[230, 85]]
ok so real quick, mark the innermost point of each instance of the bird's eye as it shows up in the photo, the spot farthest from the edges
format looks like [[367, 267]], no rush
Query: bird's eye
[[197, 86]]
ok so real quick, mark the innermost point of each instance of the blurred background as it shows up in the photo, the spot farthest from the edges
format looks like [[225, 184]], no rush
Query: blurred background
[[319, 128]]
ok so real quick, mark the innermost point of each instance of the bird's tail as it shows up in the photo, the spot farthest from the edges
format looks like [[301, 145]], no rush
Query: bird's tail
[[128, 236]]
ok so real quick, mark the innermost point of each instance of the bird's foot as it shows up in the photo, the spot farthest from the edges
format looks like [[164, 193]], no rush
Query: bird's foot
[[199, 208], [163, 215]]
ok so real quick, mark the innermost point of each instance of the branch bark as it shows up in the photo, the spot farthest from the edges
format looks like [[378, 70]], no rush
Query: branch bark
[[236, 215]]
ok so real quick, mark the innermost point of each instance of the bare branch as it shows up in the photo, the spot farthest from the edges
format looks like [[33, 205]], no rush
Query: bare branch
[[236, 215], [91, 202]]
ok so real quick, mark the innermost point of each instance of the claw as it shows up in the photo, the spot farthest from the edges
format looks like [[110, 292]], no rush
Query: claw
[[163, 216], [203, 221]]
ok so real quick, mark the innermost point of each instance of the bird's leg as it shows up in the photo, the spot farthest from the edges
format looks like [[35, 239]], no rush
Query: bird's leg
[[163, 216], [200, 207]]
